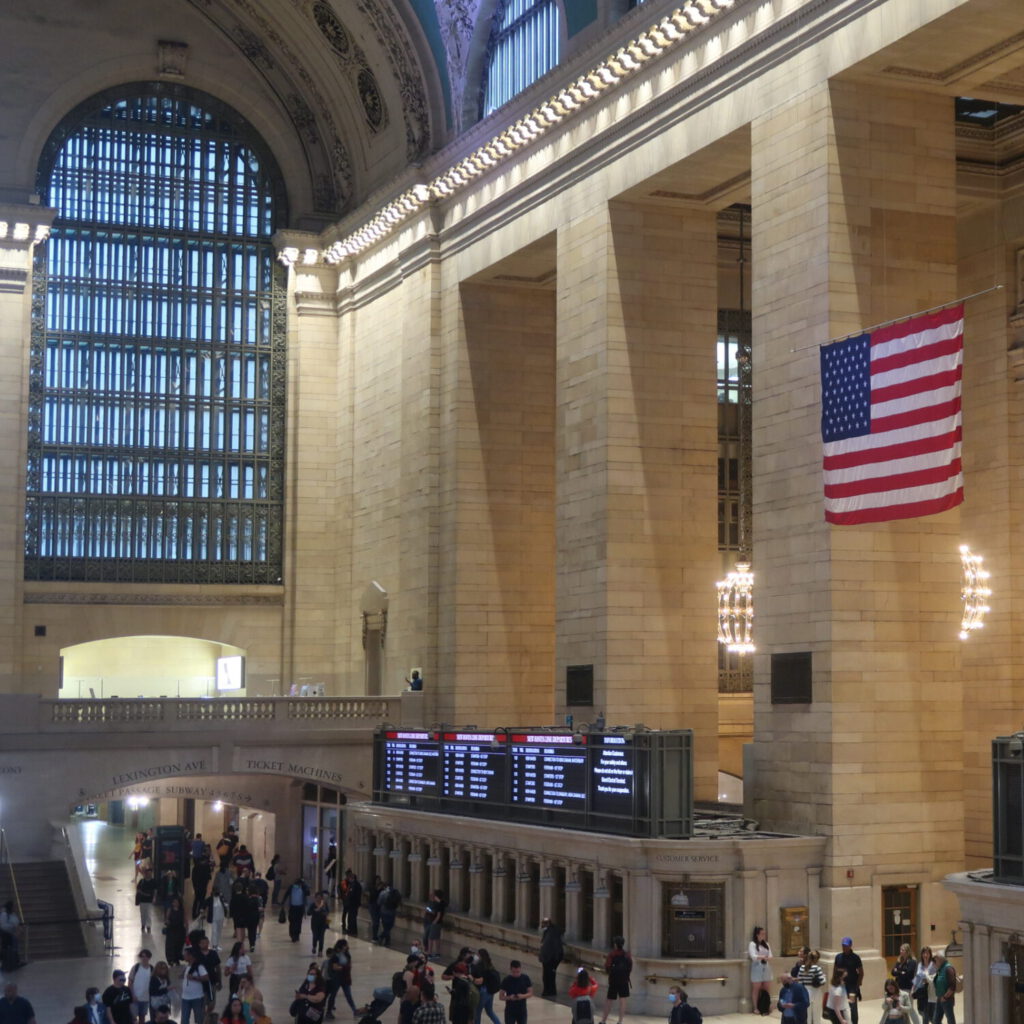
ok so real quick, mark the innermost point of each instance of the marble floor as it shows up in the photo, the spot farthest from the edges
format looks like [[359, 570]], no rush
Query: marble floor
[[54, 987]]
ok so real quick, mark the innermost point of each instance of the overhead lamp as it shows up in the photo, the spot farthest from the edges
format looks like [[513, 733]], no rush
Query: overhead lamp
[[974, 592]]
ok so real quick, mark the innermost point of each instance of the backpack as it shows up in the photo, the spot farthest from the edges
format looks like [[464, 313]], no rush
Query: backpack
[[398, 985], [393, 900], [958, 984], [492, 980], [582, 1010], [764, 1003]]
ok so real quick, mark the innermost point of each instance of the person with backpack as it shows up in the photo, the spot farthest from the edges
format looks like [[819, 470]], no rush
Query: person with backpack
[[581, 995], [485, 976], [682, 1012], [760, 954], [945, 990], [296, 898], [618, 965], [462, 1007]]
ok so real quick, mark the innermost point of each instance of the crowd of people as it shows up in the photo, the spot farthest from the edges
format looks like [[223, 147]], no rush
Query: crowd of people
[[918, 991]]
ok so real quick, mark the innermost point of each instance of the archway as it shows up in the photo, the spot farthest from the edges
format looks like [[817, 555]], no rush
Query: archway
[[151, 666]]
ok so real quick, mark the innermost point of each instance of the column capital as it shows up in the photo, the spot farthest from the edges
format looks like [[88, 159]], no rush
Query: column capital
[[22, 227]]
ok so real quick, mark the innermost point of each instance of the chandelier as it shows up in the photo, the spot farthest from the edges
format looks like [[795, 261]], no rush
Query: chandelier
[[736, 610], [974, 592]]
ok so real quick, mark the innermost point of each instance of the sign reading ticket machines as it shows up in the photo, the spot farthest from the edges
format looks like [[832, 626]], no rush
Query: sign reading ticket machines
[[634, 783]]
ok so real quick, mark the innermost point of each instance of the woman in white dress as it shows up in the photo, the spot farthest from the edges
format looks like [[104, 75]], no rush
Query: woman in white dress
[[760, 966]]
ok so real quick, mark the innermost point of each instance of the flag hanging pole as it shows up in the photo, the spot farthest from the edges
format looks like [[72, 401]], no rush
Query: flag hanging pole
[[899, 319]]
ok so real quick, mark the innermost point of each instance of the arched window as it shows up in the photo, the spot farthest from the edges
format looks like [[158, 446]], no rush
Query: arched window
[[524, 45], [157, 373]]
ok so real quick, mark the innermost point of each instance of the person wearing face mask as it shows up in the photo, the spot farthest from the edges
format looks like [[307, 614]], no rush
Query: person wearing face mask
[[308, 1006], [97, 1011], [682, 1012]]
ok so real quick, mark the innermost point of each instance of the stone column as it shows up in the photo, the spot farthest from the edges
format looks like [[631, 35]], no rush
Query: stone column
[[318, 502], [602, 910], [477, 881], [854, 216], [456, 880], [572, 902], [416, 892], [499, 907], [22, 227], [642, 916], [435, 881], [522, 868], [364, 856], [637, 453], [547, 884]]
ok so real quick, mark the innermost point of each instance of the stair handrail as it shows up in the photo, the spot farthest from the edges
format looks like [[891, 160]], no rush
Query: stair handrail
[[5, 859]]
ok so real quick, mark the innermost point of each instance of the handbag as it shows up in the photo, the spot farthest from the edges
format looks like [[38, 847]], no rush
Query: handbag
[[282, 917]]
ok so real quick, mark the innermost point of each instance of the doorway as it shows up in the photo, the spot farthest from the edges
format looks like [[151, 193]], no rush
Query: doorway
[[899, 920]]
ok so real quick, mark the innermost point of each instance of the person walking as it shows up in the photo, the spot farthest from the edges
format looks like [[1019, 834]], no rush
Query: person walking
[[550, 955], [923, 989], [945, 990], [319, 915], [853, 974], [682, 1012], [296, 898], [487, 980]]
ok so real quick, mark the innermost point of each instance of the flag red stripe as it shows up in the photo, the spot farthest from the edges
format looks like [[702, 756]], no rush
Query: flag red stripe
[[927, 322], [889, 512], [915, 417], [917, 386], [895, 482], [886, 453], [910, 356]]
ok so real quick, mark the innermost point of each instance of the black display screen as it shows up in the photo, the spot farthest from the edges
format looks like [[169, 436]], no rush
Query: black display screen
[[597, 781], [410, 763], [474, 766], [613, 780], [549, 771]]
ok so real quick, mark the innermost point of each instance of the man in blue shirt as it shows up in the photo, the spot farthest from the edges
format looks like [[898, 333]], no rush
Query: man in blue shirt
[[794, 1001]]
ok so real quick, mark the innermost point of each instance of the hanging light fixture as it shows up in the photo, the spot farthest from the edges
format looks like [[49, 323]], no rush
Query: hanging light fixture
[[736, 610], [736, 591], [974, 592]]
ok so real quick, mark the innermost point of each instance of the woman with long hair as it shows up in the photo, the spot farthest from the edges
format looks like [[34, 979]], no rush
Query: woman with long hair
[[582, 992], [237, 966], [837, 1003], [896, 1005], [760, 954], [234, 1012], [923, 989], [308, 1007], [485, 976], [174, 931]]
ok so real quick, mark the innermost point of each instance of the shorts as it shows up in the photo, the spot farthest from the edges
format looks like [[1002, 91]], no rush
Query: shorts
[[434, 931], [618, 989]]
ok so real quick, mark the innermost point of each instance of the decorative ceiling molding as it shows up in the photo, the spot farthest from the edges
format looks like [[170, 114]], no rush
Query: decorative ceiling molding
[[664, 35], [959, 70], [457, 19], [287, 76], [394, 40], [353, 62]]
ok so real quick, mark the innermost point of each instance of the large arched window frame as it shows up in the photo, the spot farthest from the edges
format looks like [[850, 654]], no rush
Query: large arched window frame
[[525, 44], [158, 356]]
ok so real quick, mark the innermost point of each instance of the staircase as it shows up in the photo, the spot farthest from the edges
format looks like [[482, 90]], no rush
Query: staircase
[[52, 928]]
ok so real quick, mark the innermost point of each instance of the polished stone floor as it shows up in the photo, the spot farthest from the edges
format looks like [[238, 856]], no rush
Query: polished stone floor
[[54, 987]]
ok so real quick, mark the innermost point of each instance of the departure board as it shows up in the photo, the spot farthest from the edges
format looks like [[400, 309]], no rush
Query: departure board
[[549, 771], [634, 782], [410, 763], [474, 766]]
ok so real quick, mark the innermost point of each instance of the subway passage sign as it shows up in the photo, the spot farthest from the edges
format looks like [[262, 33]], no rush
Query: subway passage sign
[[627, 782]]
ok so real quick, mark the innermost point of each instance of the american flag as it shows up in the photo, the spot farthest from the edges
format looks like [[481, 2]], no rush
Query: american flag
[[891, 421]]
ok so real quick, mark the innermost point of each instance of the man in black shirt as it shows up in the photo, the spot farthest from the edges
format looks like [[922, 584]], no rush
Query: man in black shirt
[[118, 1000], [15, 1009], [515, 989], [853, 970]]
